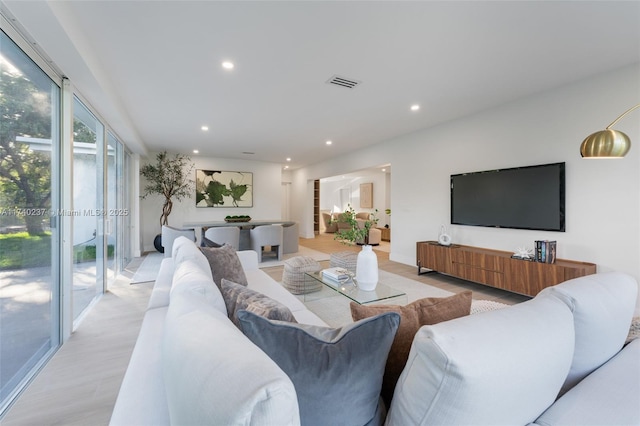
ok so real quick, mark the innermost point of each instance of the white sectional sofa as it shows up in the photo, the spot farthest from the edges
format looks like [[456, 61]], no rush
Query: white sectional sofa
[[192, 365], [218, 376]]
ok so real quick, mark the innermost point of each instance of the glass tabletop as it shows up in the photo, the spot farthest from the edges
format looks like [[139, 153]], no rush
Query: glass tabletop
[[349, 288]]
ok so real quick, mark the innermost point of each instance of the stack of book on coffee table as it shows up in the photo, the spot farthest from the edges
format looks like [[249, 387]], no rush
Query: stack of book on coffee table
[[335, 275]]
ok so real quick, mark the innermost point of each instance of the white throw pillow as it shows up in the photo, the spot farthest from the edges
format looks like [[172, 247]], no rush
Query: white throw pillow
[[500, 367], [602, 306], [214, 375]]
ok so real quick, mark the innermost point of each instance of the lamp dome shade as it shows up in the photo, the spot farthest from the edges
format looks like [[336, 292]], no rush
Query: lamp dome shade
[[605, 143]]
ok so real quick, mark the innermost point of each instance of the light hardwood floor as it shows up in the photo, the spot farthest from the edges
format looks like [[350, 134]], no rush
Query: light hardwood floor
[[80, 384]]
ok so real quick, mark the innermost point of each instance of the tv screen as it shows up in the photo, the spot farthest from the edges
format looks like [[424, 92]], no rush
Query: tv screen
[[529, 197]]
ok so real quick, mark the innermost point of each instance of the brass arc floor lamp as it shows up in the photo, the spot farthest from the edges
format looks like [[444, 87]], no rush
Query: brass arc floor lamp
[[607, 143]]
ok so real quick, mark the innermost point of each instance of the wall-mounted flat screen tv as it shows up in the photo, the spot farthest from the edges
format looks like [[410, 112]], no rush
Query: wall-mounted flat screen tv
[[531, 197]]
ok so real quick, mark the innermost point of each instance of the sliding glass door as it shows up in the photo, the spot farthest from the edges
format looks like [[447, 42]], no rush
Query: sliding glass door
[[29, 231], [34, 306], [115, 210], [88, 208]]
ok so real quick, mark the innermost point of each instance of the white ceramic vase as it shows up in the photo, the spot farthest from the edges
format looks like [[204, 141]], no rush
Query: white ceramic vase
[[367, 269]]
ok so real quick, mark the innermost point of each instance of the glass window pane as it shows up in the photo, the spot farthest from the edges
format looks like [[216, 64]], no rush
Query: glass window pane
[[88, 205], [29, 241]]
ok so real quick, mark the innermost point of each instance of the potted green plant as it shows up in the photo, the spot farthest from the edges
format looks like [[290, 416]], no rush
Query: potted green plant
[[168, 177], [354, 233]]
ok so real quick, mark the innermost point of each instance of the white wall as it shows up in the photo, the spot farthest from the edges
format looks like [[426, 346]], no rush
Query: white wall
[[602, 196], [267, 195]]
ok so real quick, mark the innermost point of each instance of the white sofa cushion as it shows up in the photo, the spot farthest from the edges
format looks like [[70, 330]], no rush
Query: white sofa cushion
[[189, 277], [248, 259], [142, 400], [499, 367], [184, 249], [215, 376], [162, 287], [608, 396], [602, 306]]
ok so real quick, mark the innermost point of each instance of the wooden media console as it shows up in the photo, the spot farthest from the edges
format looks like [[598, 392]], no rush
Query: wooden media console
[[497, 268]]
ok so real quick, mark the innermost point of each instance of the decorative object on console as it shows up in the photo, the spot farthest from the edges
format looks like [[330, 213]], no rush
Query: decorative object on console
[[523, 253], [367, 269], [328, 363], [607, 143], [238, 218], [444, 238], [366, 195], [216, 188], [545, 251]]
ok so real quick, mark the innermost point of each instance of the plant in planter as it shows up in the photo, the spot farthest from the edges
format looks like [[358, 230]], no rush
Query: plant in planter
[[355, 233], [168, 177]]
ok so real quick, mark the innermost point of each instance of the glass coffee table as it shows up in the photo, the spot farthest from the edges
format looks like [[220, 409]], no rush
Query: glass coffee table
[[348, 288]]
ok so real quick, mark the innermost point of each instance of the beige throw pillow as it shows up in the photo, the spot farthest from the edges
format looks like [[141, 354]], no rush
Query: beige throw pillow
[[237, 297]]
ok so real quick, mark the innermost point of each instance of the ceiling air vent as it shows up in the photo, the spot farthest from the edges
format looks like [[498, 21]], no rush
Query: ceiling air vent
[[343, 82]]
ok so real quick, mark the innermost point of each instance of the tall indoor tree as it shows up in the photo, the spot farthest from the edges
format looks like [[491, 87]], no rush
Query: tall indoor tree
[[169, 177]]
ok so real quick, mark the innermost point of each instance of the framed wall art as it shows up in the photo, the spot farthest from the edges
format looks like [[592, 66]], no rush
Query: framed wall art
[[366, 195], [217, 188]]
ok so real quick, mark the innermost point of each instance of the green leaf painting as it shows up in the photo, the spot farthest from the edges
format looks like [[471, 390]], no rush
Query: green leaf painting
[[216, 188]]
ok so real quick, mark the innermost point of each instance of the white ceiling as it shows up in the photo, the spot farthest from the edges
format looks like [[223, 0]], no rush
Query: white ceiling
[[153, 69]]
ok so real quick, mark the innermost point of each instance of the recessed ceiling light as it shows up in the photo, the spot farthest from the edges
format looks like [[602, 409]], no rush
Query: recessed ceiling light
[[415, 107], [204, 128], [286, 167], [228, 65], [328, 142], [384, 170], [288, 158], [195, 151]]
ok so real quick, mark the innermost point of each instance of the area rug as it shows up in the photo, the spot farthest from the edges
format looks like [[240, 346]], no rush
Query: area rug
[[148, 269], [302, 251]]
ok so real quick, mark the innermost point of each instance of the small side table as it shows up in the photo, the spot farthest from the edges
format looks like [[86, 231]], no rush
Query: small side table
[[386, 234]]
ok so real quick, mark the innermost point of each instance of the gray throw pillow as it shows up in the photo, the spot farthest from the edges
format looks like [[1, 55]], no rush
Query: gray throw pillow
[[337, 372], [224, 263], [238, 297], [208, 243]]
